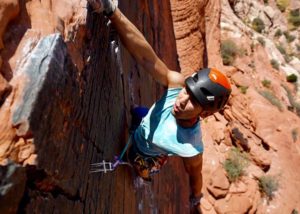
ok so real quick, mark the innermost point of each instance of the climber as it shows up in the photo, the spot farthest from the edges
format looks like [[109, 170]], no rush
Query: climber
[[171, 126]]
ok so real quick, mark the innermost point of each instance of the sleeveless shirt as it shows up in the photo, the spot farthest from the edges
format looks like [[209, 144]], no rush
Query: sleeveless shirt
[[159, 132]]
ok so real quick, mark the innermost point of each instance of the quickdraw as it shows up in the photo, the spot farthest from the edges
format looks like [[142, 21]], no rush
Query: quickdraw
[[108, 166]]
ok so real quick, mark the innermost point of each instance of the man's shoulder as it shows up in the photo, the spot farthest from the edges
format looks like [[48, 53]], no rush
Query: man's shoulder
[[175, 79]]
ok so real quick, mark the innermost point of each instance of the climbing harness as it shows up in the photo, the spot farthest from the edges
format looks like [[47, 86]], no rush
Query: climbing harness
[[145, 167], [108, 166]]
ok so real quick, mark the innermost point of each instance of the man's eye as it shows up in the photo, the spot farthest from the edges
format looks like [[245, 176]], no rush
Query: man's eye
[[193, 100]]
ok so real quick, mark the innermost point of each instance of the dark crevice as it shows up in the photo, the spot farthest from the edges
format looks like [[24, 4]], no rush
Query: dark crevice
[[93, 142], [39, 184], [266, 168], [216, 197], [13, 35], [5, 94], [238, 139], [270, 19], [265, 145]]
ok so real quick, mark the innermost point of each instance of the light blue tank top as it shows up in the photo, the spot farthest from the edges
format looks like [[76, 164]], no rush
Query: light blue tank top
[[159, 133]]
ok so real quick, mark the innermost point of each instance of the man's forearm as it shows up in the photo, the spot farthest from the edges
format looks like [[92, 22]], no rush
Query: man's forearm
[[196, 184], [193, 166], [138, 47], [131, 37]]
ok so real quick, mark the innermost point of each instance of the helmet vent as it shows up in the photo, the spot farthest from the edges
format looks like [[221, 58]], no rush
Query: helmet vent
[[195, 77], [206, 92]]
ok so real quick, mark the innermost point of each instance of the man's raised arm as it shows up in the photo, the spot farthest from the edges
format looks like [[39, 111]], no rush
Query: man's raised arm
[[139, 48], [136, 44]]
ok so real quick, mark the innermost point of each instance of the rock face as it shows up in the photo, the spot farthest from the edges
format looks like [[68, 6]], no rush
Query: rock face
[[219, 184], [66, 92], [67, 86], [9, 9], [13, 182], [197, 33], [261, 118]]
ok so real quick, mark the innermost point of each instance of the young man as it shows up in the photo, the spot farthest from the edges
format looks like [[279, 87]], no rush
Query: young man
[[171, 127]]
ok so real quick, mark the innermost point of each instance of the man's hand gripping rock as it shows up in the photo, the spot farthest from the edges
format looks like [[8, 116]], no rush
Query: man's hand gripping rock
[[106, 6]]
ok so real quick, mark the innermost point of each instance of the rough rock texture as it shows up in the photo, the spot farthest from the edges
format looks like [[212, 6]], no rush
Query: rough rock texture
[[12, 182], [218, 184], [261, 117], [197, 33], [189, 31], [67, 85], [67, 89], [9, 9], [5, 89]]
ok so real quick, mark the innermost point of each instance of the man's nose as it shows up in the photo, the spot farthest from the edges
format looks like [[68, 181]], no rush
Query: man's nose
[[184, 100]]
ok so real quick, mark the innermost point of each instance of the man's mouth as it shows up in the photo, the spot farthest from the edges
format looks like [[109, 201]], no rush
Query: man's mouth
[[175, 108]]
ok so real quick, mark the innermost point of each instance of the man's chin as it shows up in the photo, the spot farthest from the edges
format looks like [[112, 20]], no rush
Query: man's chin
[[181, 117], [177, 115]]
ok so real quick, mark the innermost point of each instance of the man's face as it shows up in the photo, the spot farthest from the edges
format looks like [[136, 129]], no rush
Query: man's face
[[186, 107]]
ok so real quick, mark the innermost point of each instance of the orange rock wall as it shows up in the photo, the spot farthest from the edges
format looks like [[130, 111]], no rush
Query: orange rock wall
[[197, 33], [67, 86], [65, 102]]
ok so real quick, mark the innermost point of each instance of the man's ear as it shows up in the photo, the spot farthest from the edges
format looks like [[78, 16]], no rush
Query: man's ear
[[205, 114]]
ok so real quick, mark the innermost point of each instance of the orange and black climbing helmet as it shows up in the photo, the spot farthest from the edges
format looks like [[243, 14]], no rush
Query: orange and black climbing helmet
[[210, 88]]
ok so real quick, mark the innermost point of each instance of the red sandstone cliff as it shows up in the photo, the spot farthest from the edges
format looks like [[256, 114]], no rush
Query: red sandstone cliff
[[66, 87], [66, 90], [262, 118]]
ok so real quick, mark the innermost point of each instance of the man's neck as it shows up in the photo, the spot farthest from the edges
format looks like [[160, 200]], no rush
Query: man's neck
[[187, 123]]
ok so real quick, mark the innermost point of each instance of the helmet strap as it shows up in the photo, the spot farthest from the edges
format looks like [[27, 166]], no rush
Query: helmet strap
[[194, 120]]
